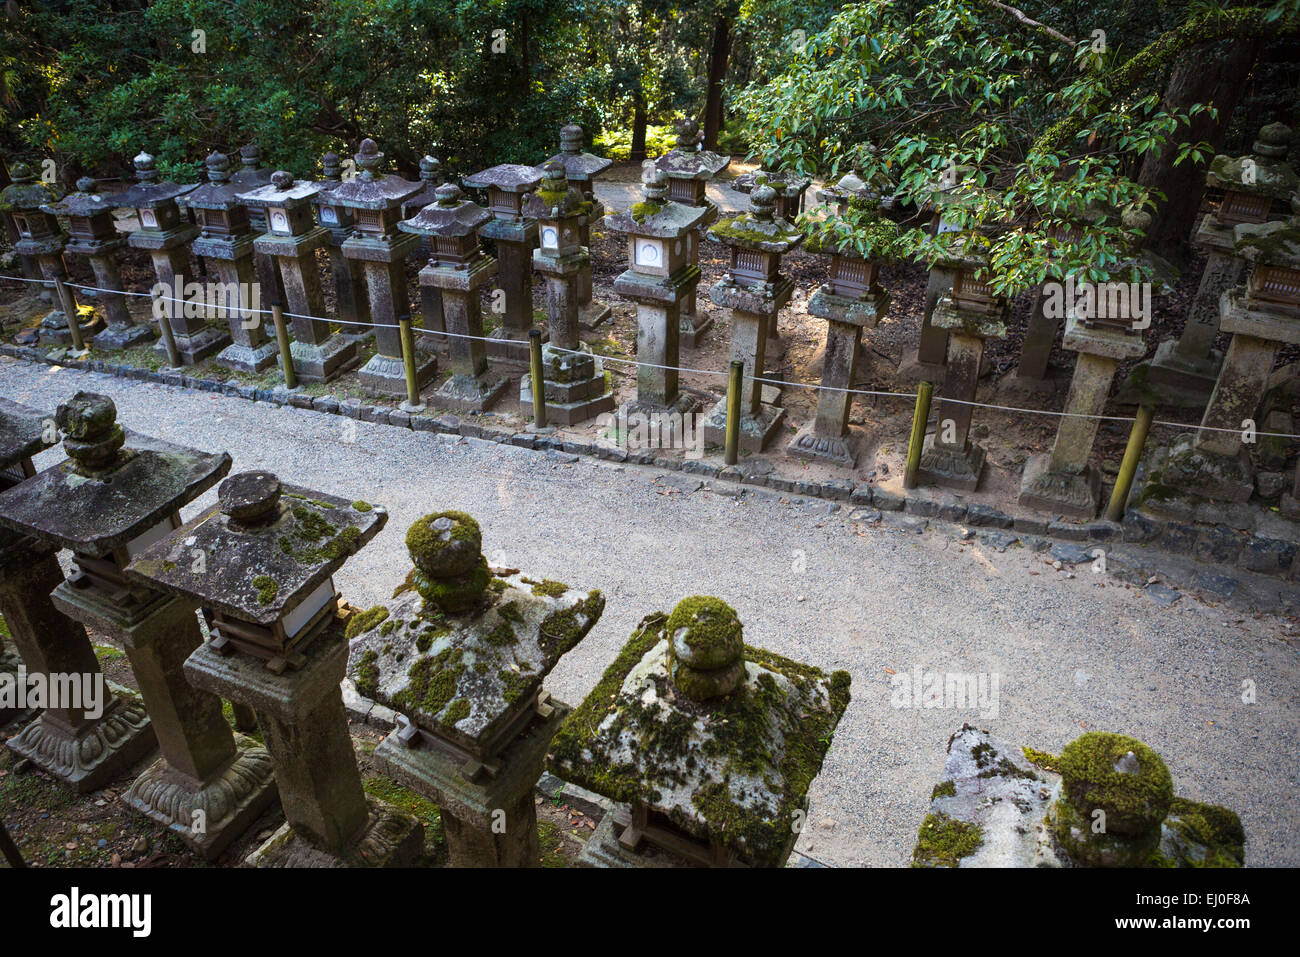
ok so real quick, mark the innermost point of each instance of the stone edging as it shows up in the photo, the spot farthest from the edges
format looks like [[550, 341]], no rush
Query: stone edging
[[1217, 544]]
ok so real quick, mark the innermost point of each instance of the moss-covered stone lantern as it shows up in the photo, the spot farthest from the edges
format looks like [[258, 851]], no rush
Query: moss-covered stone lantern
[[755, 290], [266, 586], [462, 656], [351, 302], [852, 300], [67, 743], [689, 170], [226, 241], [92, 233], [165, 234], [1255, 189], [581, 169], [508, 188], [376, 202], [458, 269], [117, 494], [292, 238], [39, 235], [658, 279], [970, 312], [789, 185], [574, 379], [1262, 316], [710, 744]]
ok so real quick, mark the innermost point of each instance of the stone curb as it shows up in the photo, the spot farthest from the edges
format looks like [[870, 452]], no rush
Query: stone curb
[[1216, 544]]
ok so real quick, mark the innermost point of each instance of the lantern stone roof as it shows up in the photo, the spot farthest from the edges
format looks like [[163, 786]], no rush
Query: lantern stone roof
[[368, 189], [219, 192], [1264, 172], [453, 215], [760, 228], [22, 432], [686, 160], [430, 179], [282, 190], [26, 192], [458, 651], [656, 216], [722, 738], [556, 198], [250, 173], [87, 201], [785, 182], [114, 486], [149, 192], [511, 177], [266, 547], [579, 167]]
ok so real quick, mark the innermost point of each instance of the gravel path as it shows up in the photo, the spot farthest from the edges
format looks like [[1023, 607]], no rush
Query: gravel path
[[1071, 653]]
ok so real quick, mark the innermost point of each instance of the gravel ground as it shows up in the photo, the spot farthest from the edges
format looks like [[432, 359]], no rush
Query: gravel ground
[[1071, 653]]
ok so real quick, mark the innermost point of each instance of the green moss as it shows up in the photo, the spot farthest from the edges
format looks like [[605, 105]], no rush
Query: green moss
[[364, 621], [424, 641], [267, 589], [1134, 803], [458, 710], [387, 627], [433, 682], [310, 526], [426, 544], [109, 653], [458, 594], [943, 842], [549, 589], [943, 789], [502, 636], [705, 632], [510, 612], [366, 674], [642, 211], [361, 506], [1006, 768], [1041, 759], [515, 684], [1218, 829], [561, 630]]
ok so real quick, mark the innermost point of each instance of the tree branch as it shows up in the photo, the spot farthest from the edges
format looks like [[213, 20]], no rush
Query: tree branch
[[1032, 24]]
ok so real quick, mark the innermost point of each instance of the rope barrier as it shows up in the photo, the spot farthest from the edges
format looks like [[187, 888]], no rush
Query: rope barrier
[[708, 372]]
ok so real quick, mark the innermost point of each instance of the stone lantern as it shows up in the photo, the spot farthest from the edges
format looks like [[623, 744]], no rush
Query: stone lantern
[[278, 647], [508, 189], [227, 241], [658, 279], [581, 170], [462, 657], [1256, 190], [790, 187], [1063, 481], [689, 170], [708, 745], [292, 238], [430, 296], [39, 236], [166, 235], [376, 203], [852, 300], [253, 175], [82, 751], [755, 291], [969, 312], [458, 269], [574, 379], [352, 304], [117, 494], [1262, 315], [92, 233]]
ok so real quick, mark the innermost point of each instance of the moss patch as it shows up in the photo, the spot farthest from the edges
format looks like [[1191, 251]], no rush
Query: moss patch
[[364, 621], [267, 589], [943, 842]]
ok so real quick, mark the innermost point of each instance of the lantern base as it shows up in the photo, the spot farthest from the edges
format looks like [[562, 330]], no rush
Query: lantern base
[[1060, 493], [89, 757], [124, 336], [231, 801], [951, 466], [1199, 471], [1179, 382], [386, 375], [839, 450], [324, 361], [755, 430], [467, 393], [203, 343], [510, 345], [693, 328], [248, 358], [54, 329], [390, 839]]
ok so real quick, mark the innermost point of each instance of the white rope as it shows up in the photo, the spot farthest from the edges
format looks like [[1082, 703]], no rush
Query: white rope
[[711, 372]]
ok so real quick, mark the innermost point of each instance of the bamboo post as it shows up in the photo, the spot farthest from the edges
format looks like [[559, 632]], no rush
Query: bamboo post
[[70, 310], [286, 354], [735, 383], [1137, 440], [538, 382], [924, 393], [412, 403]]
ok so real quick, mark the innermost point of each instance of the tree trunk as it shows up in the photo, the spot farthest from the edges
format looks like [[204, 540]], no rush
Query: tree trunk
[[717, 73], [638, 127], [1214, 80]]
